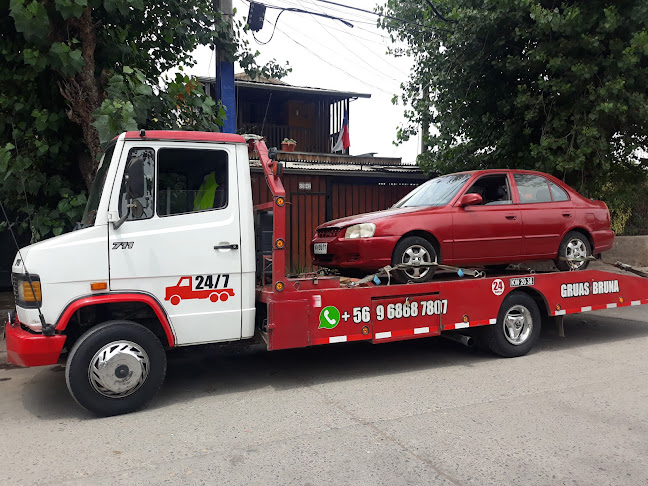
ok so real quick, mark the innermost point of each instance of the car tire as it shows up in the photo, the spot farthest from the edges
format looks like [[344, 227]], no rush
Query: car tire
[[573, 245], [116, 367], [411, 250], [517, 328]]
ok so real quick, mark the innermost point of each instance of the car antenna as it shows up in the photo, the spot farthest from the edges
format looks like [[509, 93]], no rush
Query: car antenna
[[47, 329]]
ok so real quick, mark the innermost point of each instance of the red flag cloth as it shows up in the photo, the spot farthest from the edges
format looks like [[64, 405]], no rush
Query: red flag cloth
[[343, 141]]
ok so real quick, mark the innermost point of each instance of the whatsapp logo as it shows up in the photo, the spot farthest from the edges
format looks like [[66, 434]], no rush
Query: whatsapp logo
[[329, 317]]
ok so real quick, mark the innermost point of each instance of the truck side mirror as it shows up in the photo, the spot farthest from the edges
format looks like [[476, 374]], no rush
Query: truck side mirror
[[134, 187], [135, 178]]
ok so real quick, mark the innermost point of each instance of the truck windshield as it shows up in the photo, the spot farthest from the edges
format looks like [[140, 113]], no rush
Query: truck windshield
[[90, 213], [437, 192]]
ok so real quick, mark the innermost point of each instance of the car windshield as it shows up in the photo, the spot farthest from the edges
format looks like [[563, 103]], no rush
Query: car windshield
[[90, 213], [437, 192]]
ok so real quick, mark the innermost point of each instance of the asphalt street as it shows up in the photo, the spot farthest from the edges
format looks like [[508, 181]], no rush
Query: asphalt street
[[573, 411]]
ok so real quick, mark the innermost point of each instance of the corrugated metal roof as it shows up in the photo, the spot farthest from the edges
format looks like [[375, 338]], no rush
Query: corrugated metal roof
[[348, 167], [289, 88]]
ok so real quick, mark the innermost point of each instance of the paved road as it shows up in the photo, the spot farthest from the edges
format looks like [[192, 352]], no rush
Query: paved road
[[574, 411]]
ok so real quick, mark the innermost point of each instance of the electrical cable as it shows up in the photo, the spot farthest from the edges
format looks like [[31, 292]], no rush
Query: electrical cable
[[333, 65], [380, 73], [377, 14], [357, 38]]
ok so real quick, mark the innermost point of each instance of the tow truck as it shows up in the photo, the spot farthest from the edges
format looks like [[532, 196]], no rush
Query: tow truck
[[152, 268]]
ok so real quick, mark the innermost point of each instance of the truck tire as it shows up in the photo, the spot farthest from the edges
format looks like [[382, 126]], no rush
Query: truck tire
[[573, 245], [517, 328], [116, 367], [411, 250]]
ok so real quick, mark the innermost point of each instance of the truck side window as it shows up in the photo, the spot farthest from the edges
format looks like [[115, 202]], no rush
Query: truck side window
[[191, 180], [147, 155]]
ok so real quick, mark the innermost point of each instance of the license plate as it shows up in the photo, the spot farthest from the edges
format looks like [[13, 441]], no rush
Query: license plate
[[320, 248]]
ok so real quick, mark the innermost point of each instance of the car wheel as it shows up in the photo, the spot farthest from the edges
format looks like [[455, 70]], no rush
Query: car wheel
[[517, 327], [414, 251], [116, 367], [573, 245]]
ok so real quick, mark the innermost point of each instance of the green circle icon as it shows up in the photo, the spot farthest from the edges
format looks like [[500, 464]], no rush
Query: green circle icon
[[329, 317]]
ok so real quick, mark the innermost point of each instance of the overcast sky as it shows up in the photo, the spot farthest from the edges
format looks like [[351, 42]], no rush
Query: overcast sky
[[325, 53]]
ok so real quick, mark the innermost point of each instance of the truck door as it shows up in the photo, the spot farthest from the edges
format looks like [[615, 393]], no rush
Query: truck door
[[180, 240]]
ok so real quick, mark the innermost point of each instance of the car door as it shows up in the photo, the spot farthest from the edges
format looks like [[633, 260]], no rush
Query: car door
[[491, 231], [547, 214], [180, 240]]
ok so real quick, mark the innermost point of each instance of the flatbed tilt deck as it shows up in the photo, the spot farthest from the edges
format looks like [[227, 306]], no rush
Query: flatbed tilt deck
[[314, 309]]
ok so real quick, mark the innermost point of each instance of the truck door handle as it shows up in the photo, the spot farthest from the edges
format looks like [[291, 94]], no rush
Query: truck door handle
[[567, 215], [511, 216], [233, 246]]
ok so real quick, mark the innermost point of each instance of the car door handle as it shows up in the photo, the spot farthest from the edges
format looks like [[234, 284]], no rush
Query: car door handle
[[233, 246], [567, 215], [511, 216]]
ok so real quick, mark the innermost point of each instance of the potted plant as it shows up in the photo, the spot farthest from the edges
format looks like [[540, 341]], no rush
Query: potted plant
[[288, 145]]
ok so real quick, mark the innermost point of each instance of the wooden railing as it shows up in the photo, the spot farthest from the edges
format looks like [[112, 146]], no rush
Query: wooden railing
[[308, 139]]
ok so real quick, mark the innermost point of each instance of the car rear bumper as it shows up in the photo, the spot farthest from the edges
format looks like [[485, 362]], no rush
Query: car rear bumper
[[603, 240], [357, 253], [27, 349]]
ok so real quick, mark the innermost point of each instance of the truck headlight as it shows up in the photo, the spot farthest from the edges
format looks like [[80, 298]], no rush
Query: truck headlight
[[25, 296], [362, 230]]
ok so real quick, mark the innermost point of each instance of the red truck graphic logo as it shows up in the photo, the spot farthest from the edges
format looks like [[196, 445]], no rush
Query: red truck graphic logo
[[206, 287]]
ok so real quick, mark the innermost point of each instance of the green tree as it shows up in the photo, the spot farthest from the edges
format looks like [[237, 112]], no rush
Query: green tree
[[77, 72], [557, 86]]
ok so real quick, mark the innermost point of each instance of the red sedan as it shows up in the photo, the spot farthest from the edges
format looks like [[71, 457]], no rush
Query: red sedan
[[488, 217]]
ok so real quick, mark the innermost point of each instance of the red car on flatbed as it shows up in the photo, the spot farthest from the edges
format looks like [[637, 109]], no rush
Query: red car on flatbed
[[491, 217]]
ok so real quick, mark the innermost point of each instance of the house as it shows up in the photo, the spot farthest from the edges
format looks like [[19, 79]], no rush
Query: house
[[272, 108], [320, 185]]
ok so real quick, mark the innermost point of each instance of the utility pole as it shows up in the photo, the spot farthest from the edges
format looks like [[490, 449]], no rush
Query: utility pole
[[225, 89]]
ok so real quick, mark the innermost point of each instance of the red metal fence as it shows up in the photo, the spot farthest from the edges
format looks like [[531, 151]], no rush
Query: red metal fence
[[315, 199]]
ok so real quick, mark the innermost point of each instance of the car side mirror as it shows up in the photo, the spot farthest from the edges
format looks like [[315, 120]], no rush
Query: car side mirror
[[470, 200]]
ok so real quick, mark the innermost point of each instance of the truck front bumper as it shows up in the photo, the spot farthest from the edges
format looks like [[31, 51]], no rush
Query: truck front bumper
[[27, 349]]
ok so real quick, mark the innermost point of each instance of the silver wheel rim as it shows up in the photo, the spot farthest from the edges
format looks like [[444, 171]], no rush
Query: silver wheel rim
[[517, 325], [576, 249], [416, 255], [118, 369]]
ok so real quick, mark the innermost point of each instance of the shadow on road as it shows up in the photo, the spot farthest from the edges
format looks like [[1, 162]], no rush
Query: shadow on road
[[213, 370]]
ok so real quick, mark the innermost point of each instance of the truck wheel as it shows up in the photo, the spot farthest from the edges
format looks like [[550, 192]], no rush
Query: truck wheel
[[213, 296], [115, 368], [175, 299], [573, 245], [414, 250], [517, 328]]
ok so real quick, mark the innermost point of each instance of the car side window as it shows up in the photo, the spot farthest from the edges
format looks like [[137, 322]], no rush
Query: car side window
[[532, 188], [141, 207], [493, 189], [191, 180], [557, 193]]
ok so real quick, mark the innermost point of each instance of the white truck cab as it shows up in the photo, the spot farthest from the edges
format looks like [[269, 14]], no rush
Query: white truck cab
[[167, 234]]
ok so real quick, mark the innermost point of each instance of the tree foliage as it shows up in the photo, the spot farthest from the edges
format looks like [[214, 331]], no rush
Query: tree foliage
[[553, 85], [78, 72]]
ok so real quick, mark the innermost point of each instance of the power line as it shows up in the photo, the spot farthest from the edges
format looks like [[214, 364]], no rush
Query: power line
[[333, 65], [375, 13], [381, 73]]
